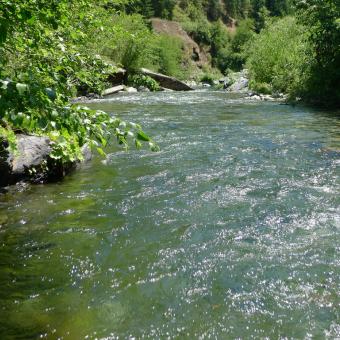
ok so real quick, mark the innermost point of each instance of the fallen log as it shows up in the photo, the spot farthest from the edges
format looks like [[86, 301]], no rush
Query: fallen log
[[166, 81]]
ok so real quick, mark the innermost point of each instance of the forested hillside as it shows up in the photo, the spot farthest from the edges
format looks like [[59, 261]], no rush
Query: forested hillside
[[289, 46]]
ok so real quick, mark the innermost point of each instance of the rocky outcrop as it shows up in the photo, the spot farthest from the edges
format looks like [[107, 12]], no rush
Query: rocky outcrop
[[240, 85], [166, 81], [236, 81], [32, 162]]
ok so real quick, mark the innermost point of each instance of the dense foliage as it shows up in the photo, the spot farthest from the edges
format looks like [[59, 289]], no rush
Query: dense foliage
[[277, 56], [300, 56], [44, 61], [322, 18]]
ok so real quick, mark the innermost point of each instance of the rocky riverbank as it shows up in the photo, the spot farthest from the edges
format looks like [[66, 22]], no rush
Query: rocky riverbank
[[32, 162]]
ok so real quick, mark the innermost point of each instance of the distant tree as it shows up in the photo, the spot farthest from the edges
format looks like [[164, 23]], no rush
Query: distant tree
[[147, 9], [214, 10], [278, 7], [163, 8], [259, 13], [231, 7]]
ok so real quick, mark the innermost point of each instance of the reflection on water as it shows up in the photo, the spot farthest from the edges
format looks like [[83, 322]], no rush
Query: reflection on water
[[232, 230]]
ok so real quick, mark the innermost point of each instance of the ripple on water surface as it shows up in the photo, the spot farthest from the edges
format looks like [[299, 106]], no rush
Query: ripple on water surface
[[230, 231]]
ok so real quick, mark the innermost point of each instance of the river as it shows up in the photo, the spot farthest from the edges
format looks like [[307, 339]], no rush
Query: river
[[230, 231]]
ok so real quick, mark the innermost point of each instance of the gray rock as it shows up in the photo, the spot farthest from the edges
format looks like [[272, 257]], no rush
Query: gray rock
[[191, 83], [87, 153], [240, 84], [32, 162], [113, 90], [166, 81], [131, 90], [32, 152], [143, 89]]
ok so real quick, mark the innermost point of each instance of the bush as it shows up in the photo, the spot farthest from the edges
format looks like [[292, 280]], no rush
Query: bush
[[321, 17], [199, 31], [227, 50], [138, 80], [207, 78], [128, 43], [263, 88], [167, 56], [278, 57]]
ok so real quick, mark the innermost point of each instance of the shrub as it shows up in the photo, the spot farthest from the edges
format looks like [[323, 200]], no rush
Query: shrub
[[138, 80], [321, 17], [167, 55], [128, 43], [208, 79], [278, 56]]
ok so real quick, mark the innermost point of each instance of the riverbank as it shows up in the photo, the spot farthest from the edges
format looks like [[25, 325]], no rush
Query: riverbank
[[32, 162]]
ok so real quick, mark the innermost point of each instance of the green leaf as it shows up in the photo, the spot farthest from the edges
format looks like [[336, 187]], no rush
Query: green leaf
[[101, 152], [142, 136]]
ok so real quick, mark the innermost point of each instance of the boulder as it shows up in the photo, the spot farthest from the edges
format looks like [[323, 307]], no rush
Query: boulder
[[32, 152], [113, 90], [166, 81], [32, 161], [240, 85], [191, 83], [131, 90], [143, 89]]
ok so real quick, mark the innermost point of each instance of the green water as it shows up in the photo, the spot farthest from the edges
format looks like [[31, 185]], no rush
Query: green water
[[231, 231]]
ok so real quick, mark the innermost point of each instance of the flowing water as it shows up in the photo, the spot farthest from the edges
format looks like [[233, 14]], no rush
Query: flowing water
[[232, 230]]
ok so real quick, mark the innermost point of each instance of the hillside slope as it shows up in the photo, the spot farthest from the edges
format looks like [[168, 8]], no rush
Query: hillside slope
[[191, 48]]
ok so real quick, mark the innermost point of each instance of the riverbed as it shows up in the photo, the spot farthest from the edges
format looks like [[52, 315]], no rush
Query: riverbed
[[232, 230]]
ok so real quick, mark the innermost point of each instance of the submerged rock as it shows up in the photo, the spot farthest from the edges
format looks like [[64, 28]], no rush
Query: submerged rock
[[32, 162]]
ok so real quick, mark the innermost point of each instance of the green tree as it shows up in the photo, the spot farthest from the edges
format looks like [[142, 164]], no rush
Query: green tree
[[213, 9], [322, 17], [278, 56], [278, 7], [164, 8]]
